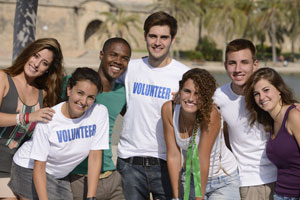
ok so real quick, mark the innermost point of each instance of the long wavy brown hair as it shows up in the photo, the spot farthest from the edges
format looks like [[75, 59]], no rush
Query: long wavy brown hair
[[205, 85], [255, 112], [50, 81]]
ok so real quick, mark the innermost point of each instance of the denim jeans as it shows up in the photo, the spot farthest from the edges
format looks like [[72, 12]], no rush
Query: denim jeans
[[280, 197], [217, 188], [139, 181]]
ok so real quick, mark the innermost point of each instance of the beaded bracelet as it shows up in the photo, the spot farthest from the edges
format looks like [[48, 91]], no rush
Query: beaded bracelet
[[27, 118]]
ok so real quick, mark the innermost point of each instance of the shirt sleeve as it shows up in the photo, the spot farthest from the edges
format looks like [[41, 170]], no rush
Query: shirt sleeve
[[101, 140], [41, 145]]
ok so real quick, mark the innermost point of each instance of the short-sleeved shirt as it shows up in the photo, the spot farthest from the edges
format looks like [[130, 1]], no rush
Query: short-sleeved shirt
[[63, 142]]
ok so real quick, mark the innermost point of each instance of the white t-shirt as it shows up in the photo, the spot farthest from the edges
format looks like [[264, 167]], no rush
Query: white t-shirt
[[248, 143], [147, 89], [228, 161], [63, 142]]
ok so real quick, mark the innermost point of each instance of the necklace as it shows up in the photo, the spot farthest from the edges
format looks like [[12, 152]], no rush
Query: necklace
[[278, 113], [186, 136]]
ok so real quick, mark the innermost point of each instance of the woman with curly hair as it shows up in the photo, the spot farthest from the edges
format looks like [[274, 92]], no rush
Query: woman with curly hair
[[270, 102], [194, 126], [31, 83]]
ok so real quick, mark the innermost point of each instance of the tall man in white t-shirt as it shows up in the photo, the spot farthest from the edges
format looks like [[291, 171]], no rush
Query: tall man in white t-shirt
[[149, 82], [257, 173]]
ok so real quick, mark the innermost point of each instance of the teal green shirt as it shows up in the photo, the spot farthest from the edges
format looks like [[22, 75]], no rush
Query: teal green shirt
[[114, 102]]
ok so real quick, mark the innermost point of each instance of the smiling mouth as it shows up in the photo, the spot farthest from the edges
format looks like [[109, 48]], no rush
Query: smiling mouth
[[115, 69], [33, 68], [190, 103]]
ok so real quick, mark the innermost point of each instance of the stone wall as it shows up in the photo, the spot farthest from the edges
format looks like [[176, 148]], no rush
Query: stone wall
[[73, 22]]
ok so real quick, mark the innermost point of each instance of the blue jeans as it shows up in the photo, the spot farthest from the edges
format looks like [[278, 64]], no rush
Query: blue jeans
[[217, 188], [280, 197], [138, 181]]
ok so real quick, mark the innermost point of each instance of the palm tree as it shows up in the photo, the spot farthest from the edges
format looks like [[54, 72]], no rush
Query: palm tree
[[183, 10], [225, 18], [120, 24], [24, 24], [293, 7], [249, 8], [203, 6], [271, 18]]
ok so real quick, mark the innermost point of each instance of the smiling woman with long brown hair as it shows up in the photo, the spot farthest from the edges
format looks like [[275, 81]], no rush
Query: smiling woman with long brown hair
[[31, 83], [271, 103]]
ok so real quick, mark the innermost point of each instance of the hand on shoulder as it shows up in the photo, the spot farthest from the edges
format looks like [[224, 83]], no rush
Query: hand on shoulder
[[293, 124]]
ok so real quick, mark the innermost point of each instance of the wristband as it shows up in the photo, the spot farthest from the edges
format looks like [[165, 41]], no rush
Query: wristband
[[175, 199], [27, 118], [21, 119], [18, 119], [90, 198]]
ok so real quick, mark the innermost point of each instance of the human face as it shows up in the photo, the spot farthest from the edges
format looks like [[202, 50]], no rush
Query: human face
[[189, 97], [239, 66], [81, 97], [38, 63], [159, 41], [114, 60], [266, 96]]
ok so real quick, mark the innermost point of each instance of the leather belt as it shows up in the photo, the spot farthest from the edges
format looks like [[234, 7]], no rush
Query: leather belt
[[145, 161]]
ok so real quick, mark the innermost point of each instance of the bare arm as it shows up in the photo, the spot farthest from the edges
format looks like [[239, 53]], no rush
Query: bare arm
[[42, 115], [6, 119], [173, 151], [39, 179], [293, 124], [207, 140], [94, 167]]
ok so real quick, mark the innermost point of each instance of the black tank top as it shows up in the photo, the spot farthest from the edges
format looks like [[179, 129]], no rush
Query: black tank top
[[12, 137]]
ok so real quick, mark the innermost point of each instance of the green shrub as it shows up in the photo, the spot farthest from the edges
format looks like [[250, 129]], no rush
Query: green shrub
[[191, 55], [209, 50]]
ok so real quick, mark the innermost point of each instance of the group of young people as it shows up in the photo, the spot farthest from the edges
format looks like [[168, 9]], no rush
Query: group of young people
[[238, 141]]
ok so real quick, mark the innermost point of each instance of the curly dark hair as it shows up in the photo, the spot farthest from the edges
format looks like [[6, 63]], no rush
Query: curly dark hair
[[206, 86], [255, 112]]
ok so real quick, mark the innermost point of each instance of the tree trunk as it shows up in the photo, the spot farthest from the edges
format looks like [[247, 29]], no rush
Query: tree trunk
[[273, 39], [24, 24], [224, 44], [293, 39], [200, 31], [262, 41]]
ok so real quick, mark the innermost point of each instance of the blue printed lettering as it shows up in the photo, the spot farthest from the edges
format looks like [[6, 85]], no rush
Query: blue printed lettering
[[86, 129], [69, 135], [65, 137], [168, 93], [156, 87], [159, 92], [59, 136], [139, 88], [143, 86], [151, 90], [94, 129], [135, 85], [77, 133], [147, 90], [163, 93], [82, 132]]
